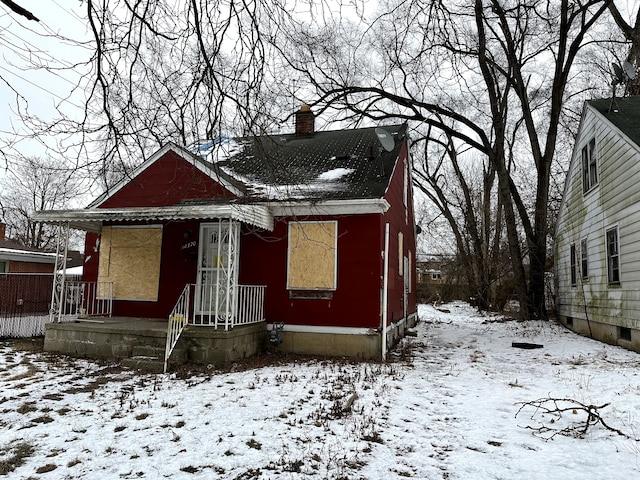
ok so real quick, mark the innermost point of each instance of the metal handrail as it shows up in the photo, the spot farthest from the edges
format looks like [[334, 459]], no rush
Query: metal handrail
[[178, 320]]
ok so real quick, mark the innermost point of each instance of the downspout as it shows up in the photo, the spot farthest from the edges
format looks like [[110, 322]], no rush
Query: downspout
[[385, 293]]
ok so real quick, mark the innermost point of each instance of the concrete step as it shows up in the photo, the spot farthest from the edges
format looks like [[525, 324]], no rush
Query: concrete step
[[147, 351], [144, 364], [151, 359], [178, 356]]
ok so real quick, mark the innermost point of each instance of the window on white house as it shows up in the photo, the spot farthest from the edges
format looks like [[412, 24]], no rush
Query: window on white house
[[589, 166], [613, 256], [584, 259], [313, 251], [574, 266]]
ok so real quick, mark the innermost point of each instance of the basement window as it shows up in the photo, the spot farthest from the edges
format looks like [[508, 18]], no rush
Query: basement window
[[570, 322], [624, 333]]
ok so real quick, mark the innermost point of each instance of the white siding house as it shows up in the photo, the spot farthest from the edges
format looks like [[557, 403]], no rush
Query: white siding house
[[597, 247]]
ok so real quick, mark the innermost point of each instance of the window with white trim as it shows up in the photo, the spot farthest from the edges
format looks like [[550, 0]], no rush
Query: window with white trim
[[613, 256], [589, 166], [574, 265], [584, 259]]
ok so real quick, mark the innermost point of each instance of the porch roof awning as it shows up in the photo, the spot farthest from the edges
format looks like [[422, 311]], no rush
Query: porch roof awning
[[91, 219]]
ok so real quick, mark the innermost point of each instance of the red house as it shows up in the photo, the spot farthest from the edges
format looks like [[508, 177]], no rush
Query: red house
[[309, 237]]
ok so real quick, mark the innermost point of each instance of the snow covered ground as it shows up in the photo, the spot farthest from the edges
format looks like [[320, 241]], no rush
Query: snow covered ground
[[446, 407]]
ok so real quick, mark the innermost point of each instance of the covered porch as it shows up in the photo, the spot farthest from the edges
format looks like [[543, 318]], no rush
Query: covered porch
[[139, 289]]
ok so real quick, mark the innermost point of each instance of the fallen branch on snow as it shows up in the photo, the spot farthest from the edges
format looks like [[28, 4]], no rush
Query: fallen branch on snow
[[555, 407]]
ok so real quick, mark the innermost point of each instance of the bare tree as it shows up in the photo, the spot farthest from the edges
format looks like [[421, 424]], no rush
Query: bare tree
[[631, 32], [475, 72], [14, 7], [463, 189], [159, 71], [34, 185]]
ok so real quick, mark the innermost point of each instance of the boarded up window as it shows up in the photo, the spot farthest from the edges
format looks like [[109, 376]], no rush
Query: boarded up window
[[130, 258], [312, 255]]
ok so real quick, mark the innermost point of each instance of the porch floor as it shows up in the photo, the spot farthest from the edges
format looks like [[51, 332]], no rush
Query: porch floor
[[124, 324]]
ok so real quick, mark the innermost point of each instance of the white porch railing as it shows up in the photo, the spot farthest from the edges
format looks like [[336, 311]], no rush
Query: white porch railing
[[87, 299], [250, 304], [213, 307], [203, 305]]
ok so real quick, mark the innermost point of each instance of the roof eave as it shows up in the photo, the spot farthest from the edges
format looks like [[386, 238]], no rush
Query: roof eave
[[91, 219]]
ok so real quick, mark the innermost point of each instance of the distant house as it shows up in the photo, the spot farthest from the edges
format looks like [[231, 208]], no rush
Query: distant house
[[597, 247], [16, 258], [312, 233]]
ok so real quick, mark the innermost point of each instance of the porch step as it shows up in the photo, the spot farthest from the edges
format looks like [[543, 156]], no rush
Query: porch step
[[147, 351], [151, 359], [144, 364]]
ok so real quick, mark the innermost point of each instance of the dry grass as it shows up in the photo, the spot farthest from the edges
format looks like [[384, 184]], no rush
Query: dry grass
[[12, 457]]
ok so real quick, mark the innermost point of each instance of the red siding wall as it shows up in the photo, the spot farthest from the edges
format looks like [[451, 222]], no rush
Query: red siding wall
[[355, 303], [400, 220], [263, 255], [167, 181]]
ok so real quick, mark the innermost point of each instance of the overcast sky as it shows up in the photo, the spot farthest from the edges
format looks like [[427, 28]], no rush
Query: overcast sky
[[24, 43]]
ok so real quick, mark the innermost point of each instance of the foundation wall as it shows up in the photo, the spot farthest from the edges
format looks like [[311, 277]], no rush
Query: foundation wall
[[114, 343], [362, 346], [100, 342], [207, 345], [628, 338]]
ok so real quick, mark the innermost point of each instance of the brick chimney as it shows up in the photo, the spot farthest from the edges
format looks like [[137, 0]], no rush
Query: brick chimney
[[305, 121], [3, 229]]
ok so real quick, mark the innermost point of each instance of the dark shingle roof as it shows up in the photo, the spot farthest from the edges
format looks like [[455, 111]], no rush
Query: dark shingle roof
[[340, 164], [623, 112]]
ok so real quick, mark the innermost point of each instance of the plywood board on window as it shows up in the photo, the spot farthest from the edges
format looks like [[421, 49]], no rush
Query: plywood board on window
[[130, 258], [312, 255]]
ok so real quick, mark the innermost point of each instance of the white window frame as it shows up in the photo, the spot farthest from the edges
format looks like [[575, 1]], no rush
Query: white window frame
[[589, 166], [612, 255], [573, 265], [584, 259]]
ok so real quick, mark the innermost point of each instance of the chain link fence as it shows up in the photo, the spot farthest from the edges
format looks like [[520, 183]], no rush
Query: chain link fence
[[24, 304]]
